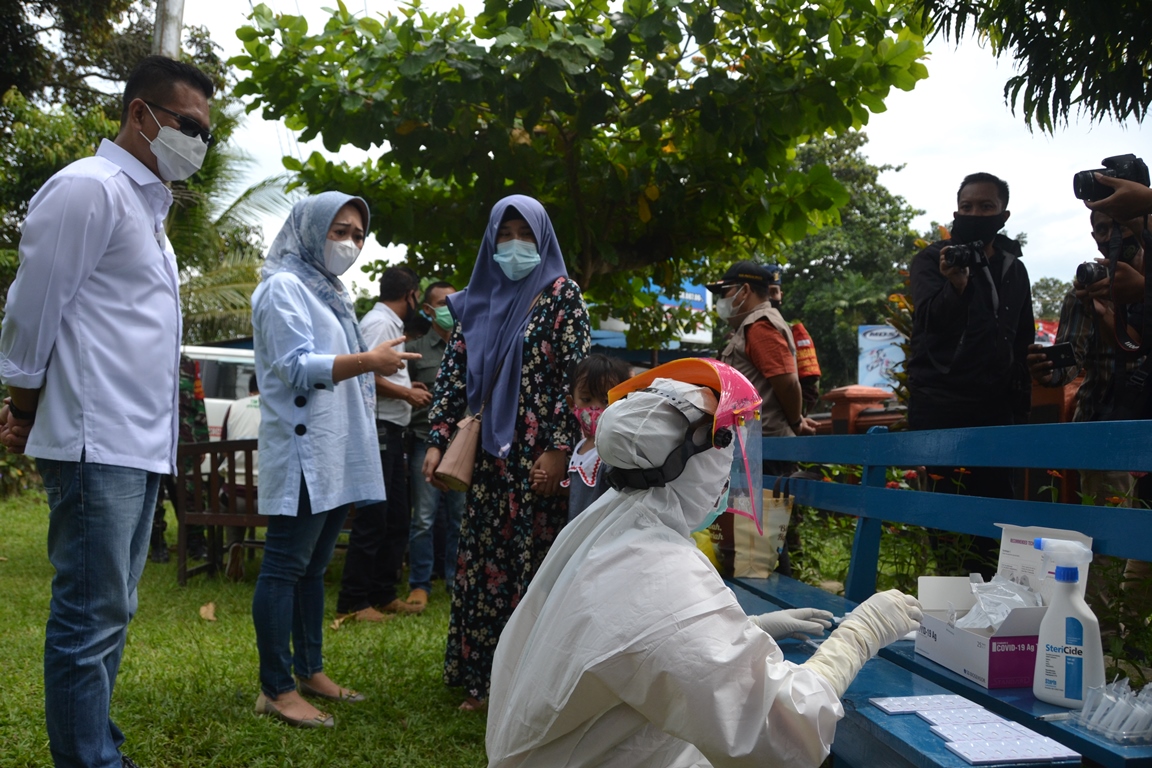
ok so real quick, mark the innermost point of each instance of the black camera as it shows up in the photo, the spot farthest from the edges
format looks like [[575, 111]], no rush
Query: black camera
[[1090, 272], [1130, 167], [965, 255]]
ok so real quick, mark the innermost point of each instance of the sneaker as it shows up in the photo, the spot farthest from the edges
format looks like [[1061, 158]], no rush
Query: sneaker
[[235, 568]]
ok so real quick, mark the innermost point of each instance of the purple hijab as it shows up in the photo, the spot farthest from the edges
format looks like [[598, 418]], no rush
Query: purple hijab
[[493, 315]]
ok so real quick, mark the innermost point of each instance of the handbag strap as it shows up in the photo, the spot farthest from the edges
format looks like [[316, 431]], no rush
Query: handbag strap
[[500, 365]]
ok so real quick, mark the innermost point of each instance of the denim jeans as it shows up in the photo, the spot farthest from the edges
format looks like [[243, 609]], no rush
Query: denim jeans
[[99, 523], [425, 502], [288, 605]]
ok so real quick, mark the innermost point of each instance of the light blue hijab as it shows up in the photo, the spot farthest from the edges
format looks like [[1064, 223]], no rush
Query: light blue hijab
[[299, 250]]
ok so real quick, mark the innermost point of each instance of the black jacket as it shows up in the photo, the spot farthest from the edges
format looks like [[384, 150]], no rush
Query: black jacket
[[966, 356]]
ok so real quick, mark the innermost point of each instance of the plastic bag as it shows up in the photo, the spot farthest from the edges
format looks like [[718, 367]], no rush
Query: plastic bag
[[994, 601]]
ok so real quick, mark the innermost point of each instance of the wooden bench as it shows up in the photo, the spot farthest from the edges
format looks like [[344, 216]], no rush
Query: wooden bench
[[199, 499], [1116, 531]]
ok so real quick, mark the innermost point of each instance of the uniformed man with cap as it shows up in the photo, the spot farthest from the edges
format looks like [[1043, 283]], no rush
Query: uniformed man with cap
[[762, 346]]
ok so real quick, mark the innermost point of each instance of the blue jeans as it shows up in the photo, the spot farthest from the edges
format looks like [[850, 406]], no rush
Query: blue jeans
[[99, 522], [288, 605], [425, 502]]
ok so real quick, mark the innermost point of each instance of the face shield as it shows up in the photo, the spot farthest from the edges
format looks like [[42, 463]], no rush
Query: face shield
[[735, 421]]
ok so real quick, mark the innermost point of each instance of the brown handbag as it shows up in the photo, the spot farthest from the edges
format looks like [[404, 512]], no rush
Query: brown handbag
[[455, 469], [459, 459]]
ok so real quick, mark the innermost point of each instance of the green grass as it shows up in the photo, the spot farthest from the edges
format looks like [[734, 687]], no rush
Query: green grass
[[186, 688]]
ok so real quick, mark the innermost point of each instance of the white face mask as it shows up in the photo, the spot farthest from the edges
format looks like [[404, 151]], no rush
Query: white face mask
[[725, 307], [177, 156], [339, 255], [517, 258]]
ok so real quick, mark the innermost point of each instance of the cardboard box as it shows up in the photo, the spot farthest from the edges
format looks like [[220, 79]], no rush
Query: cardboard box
[[1000, 658]]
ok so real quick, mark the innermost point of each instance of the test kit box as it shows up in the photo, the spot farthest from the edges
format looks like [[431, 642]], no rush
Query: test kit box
[[1004, 657]]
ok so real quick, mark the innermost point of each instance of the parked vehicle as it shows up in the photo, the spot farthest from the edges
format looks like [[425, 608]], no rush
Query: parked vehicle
[[224, 372]]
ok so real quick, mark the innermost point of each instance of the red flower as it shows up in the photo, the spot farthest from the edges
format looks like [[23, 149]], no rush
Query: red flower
[[910, 475], [892, 484], [936, 478], [962, 471], [1054, 473], [1138, 474], [1114, 500]]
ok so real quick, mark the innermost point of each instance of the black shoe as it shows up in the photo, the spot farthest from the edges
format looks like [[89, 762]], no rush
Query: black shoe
[[159, 553], [127, 762], [197, 548]]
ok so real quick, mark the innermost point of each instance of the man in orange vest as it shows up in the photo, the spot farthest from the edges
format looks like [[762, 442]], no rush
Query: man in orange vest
[[807, 365]]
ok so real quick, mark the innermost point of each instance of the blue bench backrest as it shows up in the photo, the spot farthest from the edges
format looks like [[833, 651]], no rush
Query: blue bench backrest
[[1117, 445]]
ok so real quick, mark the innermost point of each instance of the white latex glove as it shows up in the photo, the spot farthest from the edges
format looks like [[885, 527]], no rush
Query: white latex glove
[[881, 619], [794, 622]]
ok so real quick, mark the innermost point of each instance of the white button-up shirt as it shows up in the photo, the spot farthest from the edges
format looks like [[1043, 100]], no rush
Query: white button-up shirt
[[93, 316], [380, 324]]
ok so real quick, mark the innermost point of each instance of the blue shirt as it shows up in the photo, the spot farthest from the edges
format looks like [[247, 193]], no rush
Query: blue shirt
[[93, 316], [307, 423]]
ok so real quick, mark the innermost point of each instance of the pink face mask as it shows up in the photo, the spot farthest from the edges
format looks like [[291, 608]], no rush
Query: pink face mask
[[588, 418]]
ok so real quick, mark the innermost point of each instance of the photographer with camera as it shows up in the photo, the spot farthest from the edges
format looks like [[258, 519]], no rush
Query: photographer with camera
[[1120, 190], [1087, 324], [972, 324], [1120, 198]]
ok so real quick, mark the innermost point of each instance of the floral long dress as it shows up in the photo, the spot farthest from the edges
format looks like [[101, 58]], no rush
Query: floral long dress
[[507, 529]]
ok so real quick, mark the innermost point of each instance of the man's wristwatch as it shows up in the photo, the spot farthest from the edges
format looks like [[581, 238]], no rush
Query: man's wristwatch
[[795, 425], [20, 413]]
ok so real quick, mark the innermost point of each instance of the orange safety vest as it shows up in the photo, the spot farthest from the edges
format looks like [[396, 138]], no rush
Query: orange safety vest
[[806, 363]]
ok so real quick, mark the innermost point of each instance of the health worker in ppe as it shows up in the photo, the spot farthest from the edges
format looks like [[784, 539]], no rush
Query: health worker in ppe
[[628, 649]]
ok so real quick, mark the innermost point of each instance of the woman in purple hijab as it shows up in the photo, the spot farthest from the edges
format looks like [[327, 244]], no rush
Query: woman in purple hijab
[[521, 327]]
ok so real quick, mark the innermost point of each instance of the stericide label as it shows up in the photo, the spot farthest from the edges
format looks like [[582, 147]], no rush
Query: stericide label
[[1064, 664]]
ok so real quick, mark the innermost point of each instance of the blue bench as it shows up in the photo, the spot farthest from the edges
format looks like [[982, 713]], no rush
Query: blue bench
[[1119, 532]]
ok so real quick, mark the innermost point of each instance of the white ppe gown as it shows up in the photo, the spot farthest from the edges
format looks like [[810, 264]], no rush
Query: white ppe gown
[[629, 650]]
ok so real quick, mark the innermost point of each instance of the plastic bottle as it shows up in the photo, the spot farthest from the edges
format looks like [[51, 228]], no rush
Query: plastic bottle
[[1069, 656]]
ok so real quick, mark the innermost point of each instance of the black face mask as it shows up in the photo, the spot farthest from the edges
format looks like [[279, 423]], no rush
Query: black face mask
[[1128, 250], [968, 229], [415, 324]]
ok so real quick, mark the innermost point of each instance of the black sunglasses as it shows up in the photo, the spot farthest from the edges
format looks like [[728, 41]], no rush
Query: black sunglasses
[[188, 126]]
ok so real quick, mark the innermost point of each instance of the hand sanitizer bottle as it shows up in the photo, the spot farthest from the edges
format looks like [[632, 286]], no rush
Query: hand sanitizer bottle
[[1069, 657]]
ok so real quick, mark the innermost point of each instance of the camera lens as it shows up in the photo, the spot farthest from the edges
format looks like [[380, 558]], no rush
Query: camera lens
[[1085, 186], [1090, 272]]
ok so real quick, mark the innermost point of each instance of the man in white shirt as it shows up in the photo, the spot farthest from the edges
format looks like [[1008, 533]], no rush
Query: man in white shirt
[[90, 351], [379, 537]]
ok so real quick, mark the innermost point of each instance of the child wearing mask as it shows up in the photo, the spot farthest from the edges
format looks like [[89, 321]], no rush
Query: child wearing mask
[[593, 377]]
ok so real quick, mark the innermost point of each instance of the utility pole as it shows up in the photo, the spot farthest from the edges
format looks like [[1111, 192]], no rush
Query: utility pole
[[169, 22]]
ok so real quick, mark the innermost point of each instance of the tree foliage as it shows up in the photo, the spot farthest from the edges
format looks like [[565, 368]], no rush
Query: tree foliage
[[55, 48], [841, 277], [48, 123], [659, 135], [1095, 57], [1048, 296]]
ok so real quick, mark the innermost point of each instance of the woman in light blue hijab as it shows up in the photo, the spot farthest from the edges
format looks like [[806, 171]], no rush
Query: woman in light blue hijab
[[318, 447]]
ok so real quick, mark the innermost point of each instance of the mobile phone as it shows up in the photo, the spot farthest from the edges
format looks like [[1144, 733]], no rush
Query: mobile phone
[[1061, 355]]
